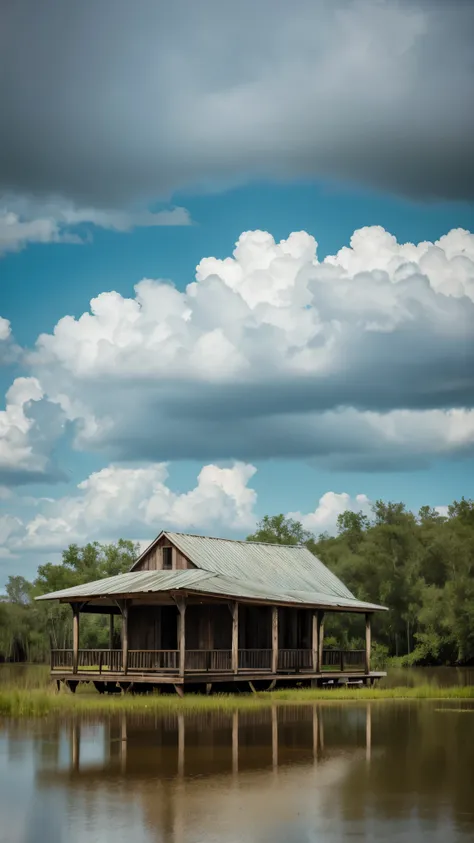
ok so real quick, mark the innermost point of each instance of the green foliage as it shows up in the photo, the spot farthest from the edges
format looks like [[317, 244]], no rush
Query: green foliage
[[280, 530], [28, 629]]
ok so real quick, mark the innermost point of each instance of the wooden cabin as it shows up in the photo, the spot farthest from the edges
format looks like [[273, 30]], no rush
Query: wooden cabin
[[197, 610]]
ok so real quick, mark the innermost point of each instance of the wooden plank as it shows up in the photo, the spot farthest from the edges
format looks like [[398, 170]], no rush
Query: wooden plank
[[368, 641], [274, 639]]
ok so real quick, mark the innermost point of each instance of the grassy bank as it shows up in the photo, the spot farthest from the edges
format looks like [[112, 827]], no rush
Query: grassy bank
[[41, 702]]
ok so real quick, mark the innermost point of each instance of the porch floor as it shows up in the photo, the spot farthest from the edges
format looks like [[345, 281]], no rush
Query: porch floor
[[208, 677]]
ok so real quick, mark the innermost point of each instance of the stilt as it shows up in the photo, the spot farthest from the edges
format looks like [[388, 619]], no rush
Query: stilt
[[252, 687], [179, 690], [208, 688]]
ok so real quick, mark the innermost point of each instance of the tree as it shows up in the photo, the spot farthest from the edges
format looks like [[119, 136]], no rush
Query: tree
[[280, 530]]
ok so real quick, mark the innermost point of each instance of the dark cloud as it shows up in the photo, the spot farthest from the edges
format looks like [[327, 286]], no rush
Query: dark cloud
[[111, 101]]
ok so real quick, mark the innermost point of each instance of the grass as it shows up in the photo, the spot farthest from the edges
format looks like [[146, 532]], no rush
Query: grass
[[17, 702]]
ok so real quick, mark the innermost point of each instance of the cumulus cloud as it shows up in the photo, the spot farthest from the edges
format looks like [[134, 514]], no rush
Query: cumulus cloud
[[121, 501], [330, 506], [362, 360], [29, 426], [55, 222], [206, 94]]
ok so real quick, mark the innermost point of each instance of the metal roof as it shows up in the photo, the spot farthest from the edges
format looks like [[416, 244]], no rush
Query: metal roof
[[199, 582], [284, 567]]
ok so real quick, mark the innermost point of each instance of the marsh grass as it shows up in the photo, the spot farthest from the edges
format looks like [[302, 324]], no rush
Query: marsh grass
[[21, 702]]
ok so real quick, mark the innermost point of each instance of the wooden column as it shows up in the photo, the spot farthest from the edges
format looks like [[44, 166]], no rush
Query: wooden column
[[235, 637], [111, 631], [181, 604], [125, 636], [315, 642], [368, 641], [320, 639], [75, 637], [274, 639]]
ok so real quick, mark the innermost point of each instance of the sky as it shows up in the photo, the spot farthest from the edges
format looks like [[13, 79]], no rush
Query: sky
[[236, 265]]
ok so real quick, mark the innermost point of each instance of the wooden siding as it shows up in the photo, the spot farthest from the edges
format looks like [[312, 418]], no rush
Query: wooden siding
[[152, 627], [153, 560]]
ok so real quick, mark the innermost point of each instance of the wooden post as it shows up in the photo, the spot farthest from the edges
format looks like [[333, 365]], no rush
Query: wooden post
[[235, 637], [111, 632], [368, 641], [320, 640], [75, 637], [274, 639], [181, 604], [125, 636], [315, 642]]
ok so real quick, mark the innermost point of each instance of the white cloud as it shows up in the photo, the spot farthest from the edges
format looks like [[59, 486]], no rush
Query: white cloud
[[5, 329], [54, 222], [364, 359], [330, 506], [120, 501], [29, 424]]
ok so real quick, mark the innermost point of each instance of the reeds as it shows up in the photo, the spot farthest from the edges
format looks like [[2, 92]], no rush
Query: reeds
[[15, 702]]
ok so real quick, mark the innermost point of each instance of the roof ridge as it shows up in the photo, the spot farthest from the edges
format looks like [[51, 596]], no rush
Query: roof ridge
[[235, 541]]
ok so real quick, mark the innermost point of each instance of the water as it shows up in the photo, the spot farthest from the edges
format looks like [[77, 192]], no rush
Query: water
[[380, 771]]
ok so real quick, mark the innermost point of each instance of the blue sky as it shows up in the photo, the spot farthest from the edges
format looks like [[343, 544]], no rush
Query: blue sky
[[281, 382]]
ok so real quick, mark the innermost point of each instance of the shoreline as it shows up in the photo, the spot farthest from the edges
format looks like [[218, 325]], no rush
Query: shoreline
[[15, 702]]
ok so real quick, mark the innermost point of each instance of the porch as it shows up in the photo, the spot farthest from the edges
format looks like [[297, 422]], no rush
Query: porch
[[191, 642]]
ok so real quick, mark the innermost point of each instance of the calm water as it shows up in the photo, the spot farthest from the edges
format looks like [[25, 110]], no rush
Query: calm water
[[398, 772]]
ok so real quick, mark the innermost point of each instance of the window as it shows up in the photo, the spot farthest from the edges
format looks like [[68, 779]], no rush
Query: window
[[167, 558]]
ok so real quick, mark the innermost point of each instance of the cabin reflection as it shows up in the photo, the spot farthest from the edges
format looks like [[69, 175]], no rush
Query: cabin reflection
[[215, 743], [169, 766]]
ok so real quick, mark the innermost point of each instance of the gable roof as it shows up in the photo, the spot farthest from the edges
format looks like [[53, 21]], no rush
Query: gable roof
[[272, 573], [285, 567]]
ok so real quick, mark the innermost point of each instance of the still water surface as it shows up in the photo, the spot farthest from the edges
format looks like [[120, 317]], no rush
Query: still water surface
[[382, 771]]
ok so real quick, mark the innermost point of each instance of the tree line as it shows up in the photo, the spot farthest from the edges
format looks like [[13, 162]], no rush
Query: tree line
[[420, 566]]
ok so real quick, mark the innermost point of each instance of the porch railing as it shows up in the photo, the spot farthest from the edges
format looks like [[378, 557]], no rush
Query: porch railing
[[291, 660], [208, 660], [255, 659], [149, 661], [343, 660], [167, 661]]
